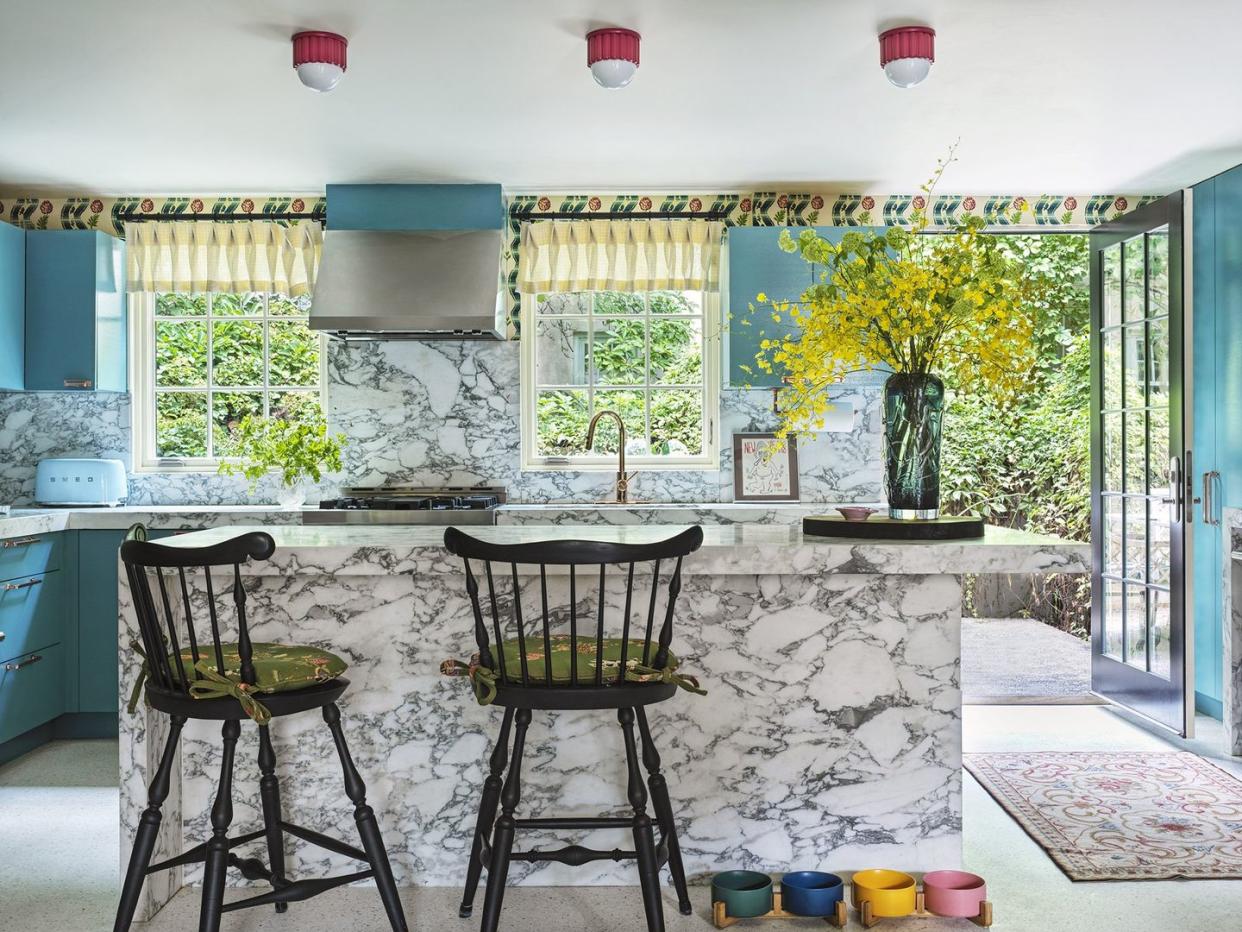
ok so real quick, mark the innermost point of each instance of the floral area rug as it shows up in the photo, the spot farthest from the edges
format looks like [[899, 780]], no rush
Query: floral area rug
[[1122, 815]]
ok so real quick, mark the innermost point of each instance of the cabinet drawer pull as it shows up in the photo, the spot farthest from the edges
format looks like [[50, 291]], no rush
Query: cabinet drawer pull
[[2, 635], [77, 383], [28, 584], [29, 661], [19, 542]]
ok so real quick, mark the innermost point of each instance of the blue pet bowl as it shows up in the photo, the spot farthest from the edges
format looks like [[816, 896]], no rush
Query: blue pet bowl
[[811, 893]]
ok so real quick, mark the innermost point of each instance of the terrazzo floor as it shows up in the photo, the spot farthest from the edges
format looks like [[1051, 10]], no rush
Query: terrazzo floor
[[58, 842]]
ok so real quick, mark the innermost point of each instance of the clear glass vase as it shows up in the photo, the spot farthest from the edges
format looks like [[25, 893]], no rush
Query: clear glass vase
[[913, 410], [292, 496]]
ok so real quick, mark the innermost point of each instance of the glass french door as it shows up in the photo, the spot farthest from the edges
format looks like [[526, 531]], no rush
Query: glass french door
[[1140, 465]]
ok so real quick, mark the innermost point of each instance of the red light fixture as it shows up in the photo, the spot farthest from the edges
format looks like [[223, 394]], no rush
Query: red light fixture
[[907, 53], [319, 58], [612, 56]]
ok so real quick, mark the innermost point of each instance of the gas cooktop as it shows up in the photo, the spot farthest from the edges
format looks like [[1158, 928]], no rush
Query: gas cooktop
[[404, 504]]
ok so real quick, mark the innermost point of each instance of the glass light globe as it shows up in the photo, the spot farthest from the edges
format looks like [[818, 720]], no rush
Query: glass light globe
[[320, 76], [613, 73], [907, 72]]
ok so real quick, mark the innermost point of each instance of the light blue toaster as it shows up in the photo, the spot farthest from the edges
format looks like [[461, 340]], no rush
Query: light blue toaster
[[81, 482]]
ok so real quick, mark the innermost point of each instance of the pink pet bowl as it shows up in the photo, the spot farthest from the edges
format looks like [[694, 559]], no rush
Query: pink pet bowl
[[954, 893]]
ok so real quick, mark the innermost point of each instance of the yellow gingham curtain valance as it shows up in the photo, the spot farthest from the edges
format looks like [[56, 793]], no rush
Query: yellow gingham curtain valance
[[223, 256], [619, 255]]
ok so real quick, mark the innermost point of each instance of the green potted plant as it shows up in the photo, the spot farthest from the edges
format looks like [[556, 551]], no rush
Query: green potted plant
[[301, 451], [917, 304]]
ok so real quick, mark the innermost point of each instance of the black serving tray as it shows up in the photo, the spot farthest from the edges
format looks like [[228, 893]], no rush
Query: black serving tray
[[881, 527]]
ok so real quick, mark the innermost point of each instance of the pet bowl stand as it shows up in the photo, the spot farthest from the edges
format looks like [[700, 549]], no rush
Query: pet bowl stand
[[984, 919], [722, 920]]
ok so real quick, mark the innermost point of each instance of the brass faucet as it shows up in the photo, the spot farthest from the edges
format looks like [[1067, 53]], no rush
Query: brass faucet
[[623, 481]]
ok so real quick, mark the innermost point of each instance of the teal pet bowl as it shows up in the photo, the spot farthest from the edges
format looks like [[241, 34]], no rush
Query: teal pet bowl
[[746, 894]]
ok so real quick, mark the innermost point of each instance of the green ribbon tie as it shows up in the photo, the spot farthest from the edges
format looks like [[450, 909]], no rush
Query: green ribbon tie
[[212, 685], [635, 672]]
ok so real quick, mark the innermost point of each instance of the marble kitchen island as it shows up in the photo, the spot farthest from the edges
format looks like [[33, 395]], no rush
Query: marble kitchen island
[[831, 737]]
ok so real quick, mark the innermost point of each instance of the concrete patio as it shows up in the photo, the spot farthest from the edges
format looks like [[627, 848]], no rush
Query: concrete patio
[[1006, 660]]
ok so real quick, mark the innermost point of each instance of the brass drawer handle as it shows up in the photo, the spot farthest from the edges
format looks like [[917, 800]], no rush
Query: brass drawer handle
[[77, 383], [28, 662], [19, 542], [28, 584]]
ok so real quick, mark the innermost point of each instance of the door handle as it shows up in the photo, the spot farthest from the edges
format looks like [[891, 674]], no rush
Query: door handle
[[1209, 498], [28, 662], [77, 383], [1175, 490], [28, 584], [18, 542]]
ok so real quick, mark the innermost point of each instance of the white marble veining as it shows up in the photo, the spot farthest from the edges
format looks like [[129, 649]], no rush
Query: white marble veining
[[664, 513], [830, 738]]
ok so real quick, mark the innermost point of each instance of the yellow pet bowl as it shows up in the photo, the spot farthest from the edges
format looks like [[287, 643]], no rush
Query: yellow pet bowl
[[890, 893]]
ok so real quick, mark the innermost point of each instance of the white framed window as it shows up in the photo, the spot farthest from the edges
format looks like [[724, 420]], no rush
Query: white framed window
[[199, 363], [653, 357]]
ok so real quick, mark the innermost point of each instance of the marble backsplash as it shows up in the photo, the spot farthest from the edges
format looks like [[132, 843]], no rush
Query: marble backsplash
[[431, 413]]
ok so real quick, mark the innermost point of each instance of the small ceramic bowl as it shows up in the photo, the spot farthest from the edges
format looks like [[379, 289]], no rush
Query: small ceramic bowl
[[855, 512], [746, 894], [954, 893], [890, 893], [811, 893]]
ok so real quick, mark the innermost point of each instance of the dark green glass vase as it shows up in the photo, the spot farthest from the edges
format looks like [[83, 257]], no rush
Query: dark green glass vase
[[913, 410]]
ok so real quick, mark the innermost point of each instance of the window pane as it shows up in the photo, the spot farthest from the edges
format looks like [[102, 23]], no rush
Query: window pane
[[1112, 452], [677, 351], [573, 303], [630, 404], [180, 352], [181, 424], [562, 419], [279, 305], [1112, 370], [237, 352], [1158, 272], [676, 422], [676, 302], [237, 305], [227, 411], [1159, 631], [619, 302], [1132, 282], [1158, 460], [1110, 618], [561, 351], [1135, 370], [1112, 285], [1136, 452], [619, 352], [295, 406], [1159, 543], [1158, 362], [1112, 535], [1136, 627], [292, 353], [181, 305], [1136, 538]]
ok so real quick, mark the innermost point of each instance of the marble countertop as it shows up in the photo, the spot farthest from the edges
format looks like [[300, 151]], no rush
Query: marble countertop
[[23, 521], [734, 548]]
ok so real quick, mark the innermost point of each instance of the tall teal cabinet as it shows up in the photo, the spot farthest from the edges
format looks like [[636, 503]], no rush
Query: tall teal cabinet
[[757, 265], [1217, 439], [12, 308], [74, 311]]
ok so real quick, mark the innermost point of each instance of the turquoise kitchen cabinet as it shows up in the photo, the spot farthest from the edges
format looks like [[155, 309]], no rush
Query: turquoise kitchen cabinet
[[31, 691], [74, 311], [12, 308], [98, 647], [33, 613], [757, 264]]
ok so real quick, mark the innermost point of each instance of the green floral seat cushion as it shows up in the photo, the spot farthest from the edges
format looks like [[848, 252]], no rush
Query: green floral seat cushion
[[560, 661], [278, 668]]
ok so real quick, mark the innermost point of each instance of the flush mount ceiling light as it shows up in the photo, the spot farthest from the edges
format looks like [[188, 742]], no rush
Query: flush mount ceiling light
[[612, 56], [907, 53], [319, 58]]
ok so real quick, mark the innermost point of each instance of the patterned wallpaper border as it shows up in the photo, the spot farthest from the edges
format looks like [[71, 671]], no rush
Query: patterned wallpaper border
[[759, 208]]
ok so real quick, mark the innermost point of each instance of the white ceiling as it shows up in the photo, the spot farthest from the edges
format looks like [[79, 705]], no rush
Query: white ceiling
[[171, 96]]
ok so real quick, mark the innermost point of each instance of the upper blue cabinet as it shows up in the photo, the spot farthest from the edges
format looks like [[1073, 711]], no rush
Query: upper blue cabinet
[[757, 265], [12, 307], [75, 311]]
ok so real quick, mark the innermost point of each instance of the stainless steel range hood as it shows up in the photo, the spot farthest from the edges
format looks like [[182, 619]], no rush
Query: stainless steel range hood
[[410, 285]]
